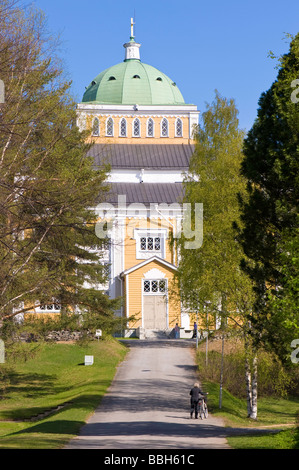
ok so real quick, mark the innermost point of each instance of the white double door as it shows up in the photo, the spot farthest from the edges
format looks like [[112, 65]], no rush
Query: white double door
[[154, 305]]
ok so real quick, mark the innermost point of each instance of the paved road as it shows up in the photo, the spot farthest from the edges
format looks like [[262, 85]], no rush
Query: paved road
[[147, 404]]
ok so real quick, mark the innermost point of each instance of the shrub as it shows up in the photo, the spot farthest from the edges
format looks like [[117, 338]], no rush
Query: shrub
[[273, 378]]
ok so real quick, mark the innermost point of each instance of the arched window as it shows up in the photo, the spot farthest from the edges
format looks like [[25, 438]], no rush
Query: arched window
[[96, 127], [164, 128], [179, 128], [123, 128], [150, 128], [136, 128], [109, 127]]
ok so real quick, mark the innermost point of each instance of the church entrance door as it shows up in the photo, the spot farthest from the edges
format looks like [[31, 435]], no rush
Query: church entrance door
[[154, 304]]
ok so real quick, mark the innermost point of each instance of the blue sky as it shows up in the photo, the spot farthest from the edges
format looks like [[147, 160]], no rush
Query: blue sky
[[201, 45]]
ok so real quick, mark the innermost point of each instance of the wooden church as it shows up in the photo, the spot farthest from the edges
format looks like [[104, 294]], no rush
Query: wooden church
[[140, 125]]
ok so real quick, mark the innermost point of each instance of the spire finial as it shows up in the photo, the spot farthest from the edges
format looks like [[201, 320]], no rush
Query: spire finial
[[132, 47], [132, 28]]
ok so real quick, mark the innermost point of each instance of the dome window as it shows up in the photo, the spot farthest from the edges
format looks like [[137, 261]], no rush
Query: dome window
[[93, 83], [111, 78], [173, 84], [159, 79], [136, 76]]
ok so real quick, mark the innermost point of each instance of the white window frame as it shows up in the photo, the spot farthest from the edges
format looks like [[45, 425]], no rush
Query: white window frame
[[105, 286], [161, 127], [106, 127], [176, 129], [39, 308], [98, 127], [133, 128], [150, 233], [147, 124], [120, 125], [151, 282]]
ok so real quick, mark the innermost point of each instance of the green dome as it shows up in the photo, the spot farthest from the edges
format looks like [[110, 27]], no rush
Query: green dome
[[133, 82]]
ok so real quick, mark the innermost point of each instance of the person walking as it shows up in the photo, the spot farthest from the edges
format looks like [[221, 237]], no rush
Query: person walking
[[196, 395], [176, 331], [194, 330]]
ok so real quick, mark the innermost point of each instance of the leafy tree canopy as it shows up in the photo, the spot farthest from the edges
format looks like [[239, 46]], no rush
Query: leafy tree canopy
[[48, 185], [270, 214]]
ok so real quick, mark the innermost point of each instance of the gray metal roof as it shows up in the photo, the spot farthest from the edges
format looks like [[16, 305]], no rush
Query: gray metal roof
[[146, 193], [155, 156]]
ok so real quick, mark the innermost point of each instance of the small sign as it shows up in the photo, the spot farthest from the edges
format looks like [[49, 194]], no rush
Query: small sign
[[98, 333], [88, 360]]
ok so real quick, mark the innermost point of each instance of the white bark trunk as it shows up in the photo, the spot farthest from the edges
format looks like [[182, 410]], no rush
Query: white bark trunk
[[250, 377], [221, 374], [248, 385], [253, 414]]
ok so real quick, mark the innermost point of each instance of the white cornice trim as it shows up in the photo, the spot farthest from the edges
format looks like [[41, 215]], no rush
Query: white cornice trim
[[147, 261], [136, 109]]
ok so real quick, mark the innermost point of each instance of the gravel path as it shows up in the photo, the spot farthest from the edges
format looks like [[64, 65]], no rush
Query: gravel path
[[147, 404]]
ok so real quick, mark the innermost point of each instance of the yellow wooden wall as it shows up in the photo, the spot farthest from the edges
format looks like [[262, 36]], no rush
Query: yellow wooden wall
[[130, 259], [133, 288], [171, 139]]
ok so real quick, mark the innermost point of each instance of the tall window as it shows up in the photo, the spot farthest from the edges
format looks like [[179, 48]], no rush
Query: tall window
[[123, 128], [179, 128], [164, 127], [96, 127], [150, 128], [109, 127], [136, 128]]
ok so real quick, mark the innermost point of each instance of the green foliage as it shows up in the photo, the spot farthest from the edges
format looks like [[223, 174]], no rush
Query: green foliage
[[210, 276], [48, 185], [287, 439], [274, 379], [269, 236]]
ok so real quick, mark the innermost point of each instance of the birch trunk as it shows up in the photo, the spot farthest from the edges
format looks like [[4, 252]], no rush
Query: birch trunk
[[253, 414], [248, 375], [248, 384], [221, 374]]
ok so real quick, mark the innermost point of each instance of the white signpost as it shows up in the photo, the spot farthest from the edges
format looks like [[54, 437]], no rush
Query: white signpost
[[98, 334], [88, 360]]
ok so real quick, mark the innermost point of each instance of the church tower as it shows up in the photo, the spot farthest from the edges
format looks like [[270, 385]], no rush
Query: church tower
[[140, 124]]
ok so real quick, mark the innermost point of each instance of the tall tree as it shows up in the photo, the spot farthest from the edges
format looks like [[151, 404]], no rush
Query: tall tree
[[210, 276], [270, 213], [47, 185]]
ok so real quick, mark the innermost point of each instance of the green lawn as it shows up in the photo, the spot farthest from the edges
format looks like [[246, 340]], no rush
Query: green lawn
[[54, 376], [273, 414]]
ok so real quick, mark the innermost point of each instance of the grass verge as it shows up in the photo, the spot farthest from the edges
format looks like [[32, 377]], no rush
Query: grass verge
[[54, 381], [274, 414]]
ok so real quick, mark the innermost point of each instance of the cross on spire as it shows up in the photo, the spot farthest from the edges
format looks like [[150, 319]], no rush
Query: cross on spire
[[132, 28]]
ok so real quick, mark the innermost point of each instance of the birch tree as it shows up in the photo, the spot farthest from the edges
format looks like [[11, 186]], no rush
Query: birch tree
[[212, 273]]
